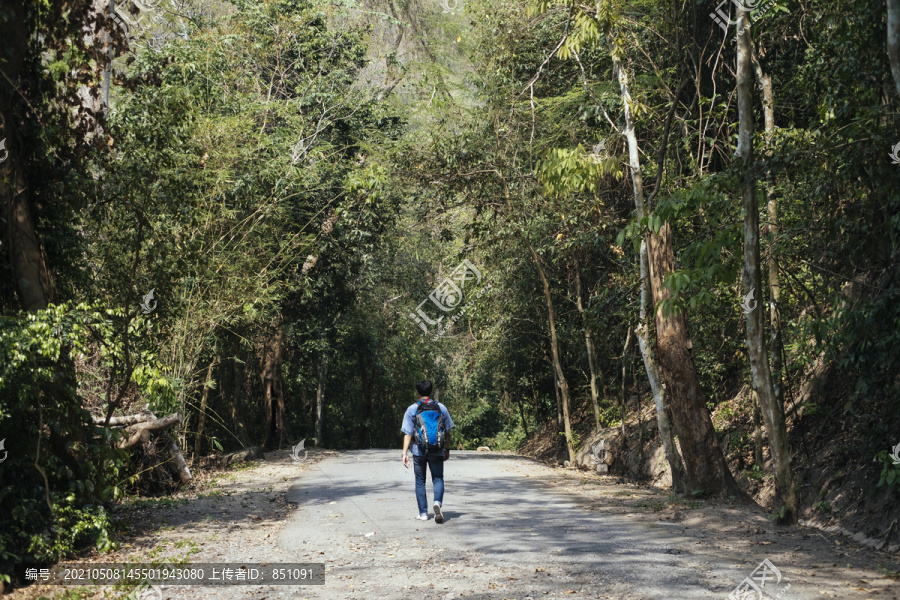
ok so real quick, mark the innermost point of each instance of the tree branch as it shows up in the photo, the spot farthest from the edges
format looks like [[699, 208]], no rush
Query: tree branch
[[661, 157], [140, 432]]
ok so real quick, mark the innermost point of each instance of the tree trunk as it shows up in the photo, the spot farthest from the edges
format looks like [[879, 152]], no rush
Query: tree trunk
[[589, 343], [776, 342], [320, 398], [757, 432], [760, 375], [559, 417], [26, 254], [554, 348], [764, 82], [204, 400], [273, 391], [524, 420], [110, 55], [704, 462], [562, 385], [231, 376], [521, 412], [368, 383], [893, 40], [27, 258], [92, 104], [705, 465], [622, 391], [666, 434]]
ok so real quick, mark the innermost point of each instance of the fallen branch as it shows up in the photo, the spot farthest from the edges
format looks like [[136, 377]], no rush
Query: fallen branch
[[140, 432], [183, 472], [124, 420], [244, 454]]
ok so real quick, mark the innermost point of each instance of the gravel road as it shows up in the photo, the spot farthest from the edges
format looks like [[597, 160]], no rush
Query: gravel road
[[515, 529]]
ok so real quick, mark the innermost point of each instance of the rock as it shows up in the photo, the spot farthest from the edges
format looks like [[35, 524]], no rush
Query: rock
[[243, 455], [483, 449], [599, 451]]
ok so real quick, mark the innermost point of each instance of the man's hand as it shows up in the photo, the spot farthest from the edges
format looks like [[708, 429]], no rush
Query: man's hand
[[447, 454], [407, 440]]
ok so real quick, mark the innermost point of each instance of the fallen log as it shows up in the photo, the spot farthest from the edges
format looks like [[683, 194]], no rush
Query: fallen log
[[140, 432], [139, 427], [242, 455], [183, 472], [123, 420]]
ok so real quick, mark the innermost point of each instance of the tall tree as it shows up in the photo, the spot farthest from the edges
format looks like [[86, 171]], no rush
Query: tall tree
[[893, 40], [320, 398], [760, 373], [589, 345], [27, 258], [705, 467], [666, 433], [562, 383], [367, 382], [273, 389], [776, 343]]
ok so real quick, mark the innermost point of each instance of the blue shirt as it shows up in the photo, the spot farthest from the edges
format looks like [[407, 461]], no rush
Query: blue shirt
[[409, 424]]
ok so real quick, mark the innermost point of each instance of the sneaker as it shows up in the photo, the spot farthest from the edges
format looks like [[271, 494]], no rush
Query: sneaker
[[422, 517], [438, 517]]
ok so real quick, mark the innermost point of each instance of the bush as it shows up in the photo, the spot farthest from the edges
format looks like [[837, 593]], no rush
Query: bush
[[60, 468], [478, 425]]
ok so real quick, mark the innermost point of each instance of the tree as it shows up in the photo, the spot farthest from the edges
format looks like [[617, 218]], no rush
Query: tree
[[666, 434], [591, 351], [893, 40], [760, 373], [704, 463], [26, 255]]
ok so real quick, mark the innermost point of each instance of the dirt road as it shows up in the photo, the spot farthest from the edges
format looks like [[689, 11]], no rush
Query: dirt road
[[514, 529]]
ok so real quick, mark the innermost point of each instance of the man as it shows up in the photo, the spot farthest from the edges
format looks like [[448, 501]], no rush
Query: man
[[434, 460]]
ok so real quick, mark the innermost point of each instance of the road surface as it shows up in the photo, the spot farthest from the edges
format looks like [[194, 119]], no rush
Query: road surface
[[514, 529], [510, 533]]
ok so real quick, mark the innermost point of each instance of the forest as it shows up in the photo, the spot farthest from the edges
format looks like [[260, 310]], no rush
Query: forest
[[234, 225]]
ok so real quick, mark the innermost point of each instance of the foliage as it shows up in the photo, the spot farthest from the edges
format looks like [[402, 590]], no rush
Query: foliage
[[60, 468], [755, 473], [291, 202], [890, 471], [479, 424]]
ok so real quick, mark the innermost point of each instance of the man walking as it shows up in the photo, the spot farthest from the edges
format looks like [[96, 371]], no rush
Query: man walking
[[430, 423]]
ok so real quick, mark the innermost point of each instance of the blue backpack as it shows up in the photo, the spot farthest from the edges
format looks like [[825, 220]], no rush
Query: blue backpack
[[431, 431]]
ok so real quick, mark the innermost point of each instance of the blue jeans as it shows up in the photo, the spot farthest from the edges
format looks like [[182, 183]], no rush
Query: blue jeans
[[436, 463]]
